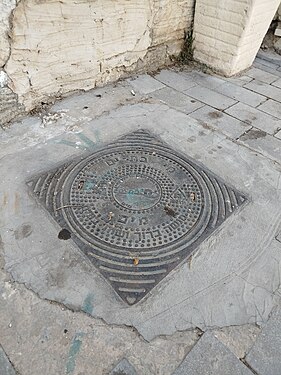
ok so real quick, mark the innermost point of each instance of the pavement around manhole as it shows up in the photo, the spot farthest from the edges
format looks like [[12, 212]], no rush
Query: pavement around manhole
[[58, 314], [136, 208]]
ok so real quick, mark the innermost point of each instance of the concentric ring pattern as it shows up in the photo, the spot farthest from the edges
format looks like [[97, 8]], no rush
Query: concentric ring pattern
[[136, 208]]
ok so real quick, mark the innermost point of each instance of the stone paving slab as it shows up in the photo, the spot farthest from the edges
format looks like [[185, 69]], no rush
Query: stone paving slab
[[202, 79], [277, 83], [264, 357], [238, 339], [239, 80], [270, 56], [145, 84], [6, 367], [123, 368], [177, 100], [268, 67], [209, 356], [263, 88], [221, 121], [175, 80], [210, 97], [263, 143], [261, 75], [255, 117], [241, 94], [271, 107], [268, 63], [278, 134]]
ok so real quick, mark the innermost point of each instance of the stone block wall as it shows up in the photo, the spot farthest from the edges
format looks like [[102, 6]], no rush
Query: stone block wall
[[229, 33], [51, 47]]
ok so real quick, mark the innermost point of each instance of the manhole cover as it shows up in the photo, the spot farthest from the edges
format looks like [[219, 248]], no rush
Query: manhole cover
[[136, 208]]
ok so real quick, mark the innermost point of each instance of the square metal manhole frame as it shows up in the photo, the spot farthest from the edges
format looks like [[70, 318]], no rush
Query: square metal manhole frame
[[136, 208]]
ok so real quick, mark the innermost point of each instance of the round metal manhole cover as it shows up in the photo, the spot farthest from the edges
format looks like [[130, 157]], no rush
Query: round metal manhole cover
[[131, 199], [136, 208]]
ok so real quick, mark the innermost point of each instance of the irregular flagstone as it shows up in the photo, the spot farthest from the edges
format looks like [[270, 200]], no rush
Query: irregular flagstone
[[6, 367], [211, 357], [123, 367], [264, 357]]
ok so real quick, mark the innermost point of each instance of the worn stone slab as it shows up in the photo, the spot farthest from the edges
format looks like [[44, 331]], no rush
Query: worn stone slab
[[238, 339], [261, 75], [273, 68], [255, 117], [177, 100], [210, 97], [270, 56], [124, 367], [264, 357], [6, 367], [202, 79], [239, 80], [277, 83], [265, 63], [221, 121], [278, 134], [209, 356], [271, 107], [265, 89], [261, 64], [145, 84], [263, 143], [241, 94], [175, 80]]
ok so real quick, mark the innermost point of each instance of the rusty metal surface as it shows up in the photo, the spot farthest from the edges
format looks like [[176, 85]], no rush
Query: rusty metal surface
[[136, 208]]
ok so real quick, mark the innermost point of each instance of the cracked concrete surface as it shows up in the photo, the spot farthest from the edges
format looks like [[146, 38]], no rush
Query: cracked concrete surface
[[52, 294], [75, 342], [241, 245]]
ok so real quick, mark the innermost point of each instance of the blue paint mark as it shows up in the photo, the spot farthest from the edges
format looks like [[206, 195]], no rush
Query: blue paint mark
[[88, 305], [97, 136], [73, 351], [96, 133], [89, 185], [90, 145]]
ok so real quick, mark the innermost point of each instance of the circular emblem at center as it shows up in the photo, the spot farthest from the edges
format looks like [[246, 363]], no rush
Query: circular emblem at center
[[137, 193]]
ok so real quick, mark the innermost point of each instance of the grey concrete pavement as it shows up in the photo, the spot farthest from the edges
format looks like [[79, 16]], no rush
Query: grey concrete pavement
[[58, 307]]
